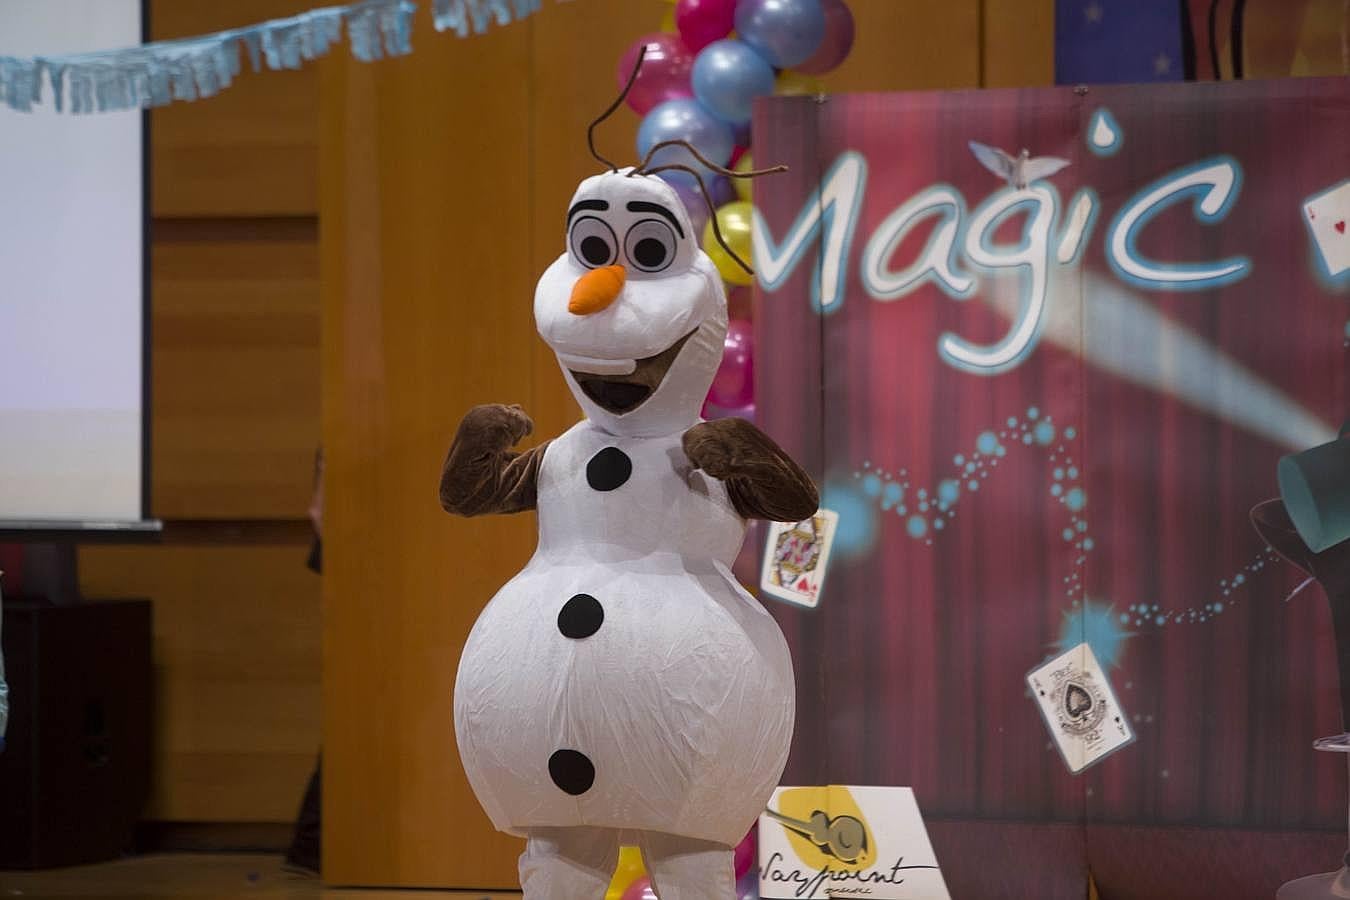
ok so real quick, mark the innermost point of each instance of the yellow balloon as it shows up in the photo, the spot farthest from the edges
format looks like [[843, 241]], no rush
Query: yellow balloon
[[793, 84], [744, 186], [734, 220], [630, 870], [668, 21]]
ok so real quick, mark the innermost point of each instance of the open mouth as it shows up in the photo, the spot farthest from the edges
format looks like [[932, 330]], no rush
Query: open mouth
[[621, 394]]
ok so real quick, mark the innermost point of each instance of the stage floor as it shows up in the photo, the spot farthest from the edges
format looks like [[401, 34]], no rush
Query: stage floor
[[219, 876]]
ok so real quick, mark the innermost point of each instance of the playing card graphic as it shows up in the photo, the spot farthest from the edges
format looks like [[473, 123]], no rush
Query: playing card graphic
[[1328, 217], [1079, 707], [795, 557]]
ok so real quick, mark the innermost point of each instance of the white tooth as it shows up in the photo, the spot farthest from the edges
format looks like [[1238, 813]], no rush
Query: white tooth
[[595, 366]]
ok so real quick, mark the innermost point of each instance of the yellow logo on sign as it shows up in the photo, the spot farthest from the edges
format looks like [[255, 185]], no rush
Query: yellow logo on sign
[[825, 828]]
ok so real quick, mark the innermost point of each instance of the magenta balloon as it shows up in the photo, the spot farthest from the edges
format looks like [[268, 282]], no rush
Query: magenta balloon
[[640, 890], [700, 22], [734, 383], [838, 40], [664, 75], [745, 854]]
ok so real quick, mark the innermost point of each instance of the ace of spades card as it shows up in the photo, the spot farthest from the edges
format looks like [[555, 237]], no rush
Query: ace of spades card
[[795, 557], [1079, 707]]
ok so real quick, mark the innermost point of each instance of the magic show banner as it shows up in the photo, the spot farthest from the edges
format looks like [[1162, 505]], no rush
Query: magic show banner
[[1042, 416]]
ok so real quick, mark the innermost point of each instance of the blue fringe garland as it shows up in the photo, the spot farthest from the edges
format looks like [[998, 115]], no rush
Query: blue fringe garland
[[476, 16], [159, 73]]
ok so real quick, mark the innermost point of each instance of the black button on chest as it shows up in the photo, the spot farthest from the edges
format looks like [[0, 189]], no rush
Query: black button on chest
[[609, 469], [581, 617], [572, 771]]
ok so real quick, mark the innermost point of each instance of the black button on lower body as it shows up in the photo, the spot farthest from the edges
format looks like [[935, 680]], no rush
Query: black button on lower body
[[609, 469], [581, 617], [571, 771]]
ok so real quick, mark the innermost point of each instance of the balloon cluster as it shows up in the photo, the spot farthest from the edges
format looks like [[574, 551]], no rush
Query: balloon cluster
[[698, 81], [631, 881]]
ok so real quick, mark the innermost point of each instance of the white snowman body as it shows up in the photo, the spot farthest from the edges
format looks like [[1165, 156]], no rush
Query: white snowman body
[[623, 679], [681, 699]]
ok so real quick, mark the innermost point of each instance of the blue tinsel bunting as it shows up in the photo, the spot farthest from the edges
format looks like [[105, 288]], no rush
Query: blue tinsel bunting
[[159, 73], [467, 17]]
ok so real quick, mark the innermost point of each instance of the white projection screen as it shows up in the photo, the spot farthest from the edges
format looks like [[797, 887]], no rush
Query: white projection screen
[[73, 306]]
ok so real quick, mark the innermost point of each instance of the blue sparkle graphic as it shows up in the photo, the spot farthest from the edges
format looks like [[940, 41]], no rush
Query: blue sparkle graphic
[[1100, 627], [949, 490], [857, 529]]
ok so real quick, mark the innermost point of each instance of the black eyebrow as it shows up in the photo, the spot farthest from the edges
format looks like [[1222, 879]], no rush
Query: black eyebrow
[[577, 207], [644, 206]]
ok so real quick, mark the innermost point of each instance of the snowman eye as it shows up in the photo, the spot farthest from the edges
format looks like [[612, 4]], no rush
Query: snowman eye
[[593, 242], [650, 245]]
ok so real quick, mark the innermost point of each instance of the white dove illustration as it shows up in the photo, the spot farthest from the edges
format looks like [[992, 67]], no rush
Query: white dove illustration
[[1020, 170]]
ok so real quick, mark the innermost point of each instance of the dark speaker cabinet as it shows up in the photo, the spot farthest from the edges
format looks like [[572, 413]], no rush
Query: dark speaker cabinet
[[75, 773]]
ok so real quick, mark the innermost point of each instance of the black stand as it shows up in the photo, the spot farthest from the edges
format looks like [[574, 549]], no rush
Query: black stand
[[1331, 569], [51, 573]]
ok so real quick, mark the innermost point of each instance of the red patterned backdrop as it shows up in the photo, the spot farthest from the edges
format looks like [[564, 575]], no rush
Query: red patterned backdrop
[[1114, 466]]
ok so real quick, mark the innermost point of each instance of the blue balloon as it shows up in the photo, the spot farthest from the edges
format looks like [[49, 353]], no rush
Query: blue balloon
[[684, 119], [784, 32], [728, 76]]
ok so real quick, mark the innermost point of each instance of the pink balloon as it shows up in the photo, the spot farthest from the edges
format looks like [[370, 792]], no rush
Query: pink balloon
[[838, 40], [700, 22], [640, 890], [745, 853], [734, 383], [664, 75]]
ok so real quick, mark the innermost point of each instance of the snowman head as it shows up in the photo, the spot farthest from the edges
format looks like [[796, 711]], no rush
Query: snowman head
[[633, 308]]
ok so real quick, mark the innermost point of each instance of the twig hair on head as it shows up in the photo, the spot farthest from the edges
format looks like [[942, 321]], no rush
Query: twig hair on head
[[646, 168], [618, 101]]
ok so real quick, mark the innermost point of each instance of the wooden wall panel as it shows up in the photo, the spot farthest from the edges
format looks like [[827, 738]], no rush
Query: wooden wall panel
[[236, 656], [911, 45], [234, 422], [252, 150], [236, 368], [1019, 43], [426, 287]]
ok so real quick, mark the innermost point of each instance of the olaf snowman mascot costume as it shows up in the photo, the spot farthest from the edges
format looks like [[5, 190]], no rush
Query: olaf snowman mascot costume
[[623, 688]]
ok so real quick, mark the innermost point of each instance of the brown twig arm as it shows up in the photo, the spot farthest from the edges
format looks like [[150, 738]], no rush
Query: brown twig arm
[[762, 481], [482, 475]]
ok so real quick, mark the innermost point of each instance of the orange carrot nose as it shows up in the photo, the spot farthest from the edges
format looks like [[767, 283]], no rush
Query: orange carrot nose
[[596, 290]]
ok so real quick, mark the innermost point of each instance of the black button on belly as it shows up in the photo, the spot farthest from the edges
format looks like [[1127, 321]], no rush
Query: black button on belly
[[608, 469], [581, 617], [571, 771]]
